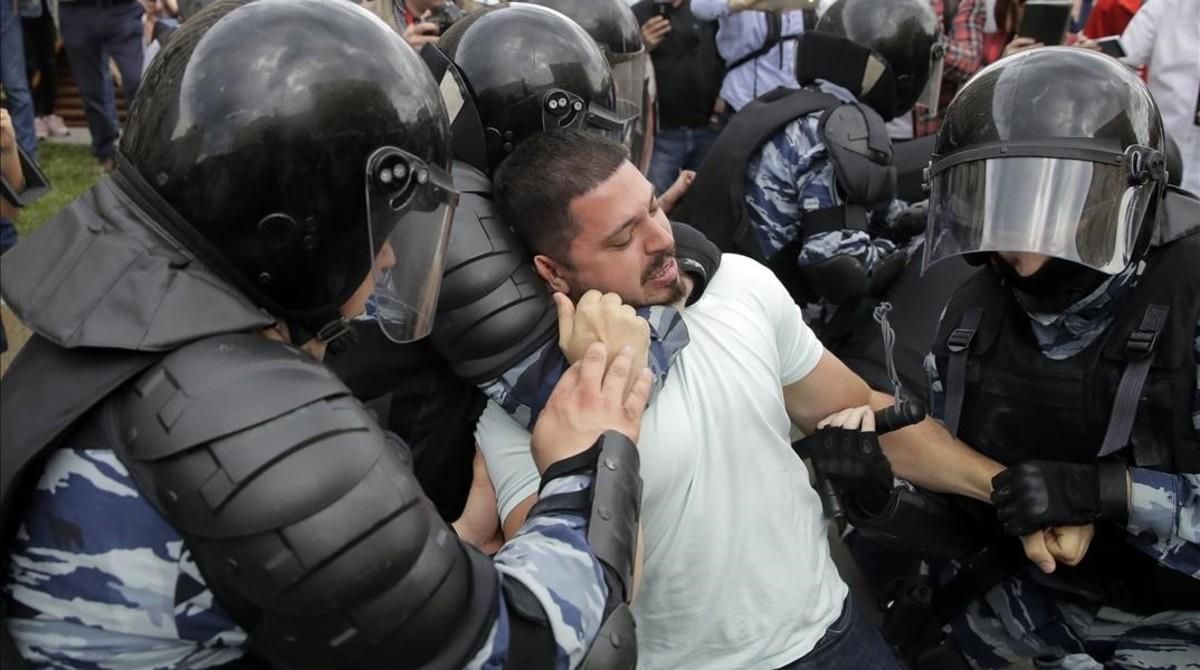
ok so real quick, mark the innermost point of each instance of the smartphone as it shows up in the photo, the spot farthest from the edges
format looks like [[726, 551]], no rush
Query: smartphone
[[1111, 46], [664, 7], [1046, 21], [36, 183]]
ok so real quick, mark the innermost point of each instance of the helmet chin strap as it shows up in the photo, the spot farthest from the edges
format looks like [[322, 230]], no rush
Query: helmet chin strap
[[325, 329]]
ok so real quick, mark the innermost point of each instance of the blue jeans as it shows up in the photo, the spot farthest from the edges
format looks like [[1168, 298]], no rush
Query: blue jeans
[[91, 34], [15, 79], [678, 149], [851, 643]]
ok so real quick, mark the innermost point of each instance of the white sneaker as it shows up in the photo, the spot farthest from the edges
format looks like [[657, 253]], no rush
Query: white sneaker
[[41, 128], [56, 126]]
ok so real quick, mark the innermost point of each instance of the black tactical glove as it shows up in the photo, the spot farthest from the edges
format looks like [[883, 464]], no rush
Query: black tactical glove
[[1034, 495], [905, 224], [853, 461]]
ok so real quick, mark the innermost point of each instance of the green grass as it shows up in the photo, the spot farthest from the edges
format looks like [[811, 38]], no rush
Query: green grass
[[71, 171]]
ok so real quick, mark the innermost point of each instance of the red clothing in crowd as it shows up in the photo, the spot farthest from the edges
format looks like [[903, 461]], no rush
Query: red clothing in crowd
[[1109, 17]]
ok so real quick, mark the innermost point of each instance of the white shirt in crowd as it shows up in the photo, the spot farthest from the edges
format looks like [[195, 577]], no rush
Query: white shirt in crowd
[[1165, 36], [737, 566]]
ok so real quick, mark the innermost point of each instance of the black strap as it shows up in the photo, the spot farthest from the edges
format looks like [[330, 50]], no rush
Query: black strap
[[775, 37], [829, 219], [1139, 349], [959, 345], [530, 638]]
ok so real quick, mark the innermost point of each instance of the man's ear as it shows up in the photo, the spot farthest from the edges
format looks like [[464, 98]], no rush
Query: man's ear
[[552, 272]]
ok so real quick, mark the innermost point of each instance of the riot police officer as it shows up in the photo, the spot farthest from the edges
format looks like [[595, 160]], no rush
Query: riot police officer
[[184, 483], [1071, 357], [795, 173], [612, 24]]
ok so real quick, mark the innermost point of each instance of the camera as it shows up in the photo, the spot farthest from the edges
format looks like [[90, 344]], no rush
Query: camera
[[664, 7]]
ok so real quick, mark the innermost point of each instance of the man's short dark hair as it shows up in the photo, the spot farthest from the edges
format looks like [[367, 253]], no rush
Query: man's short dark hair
[[537, 182]]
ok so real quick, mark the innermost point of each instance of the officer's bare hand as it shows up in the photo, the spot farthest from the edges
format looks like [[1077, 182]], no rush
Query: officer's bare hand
[[479, 524], [654, 31], [1060, 544], [677, 190], [588, 400], [601, 317], [421, 33]]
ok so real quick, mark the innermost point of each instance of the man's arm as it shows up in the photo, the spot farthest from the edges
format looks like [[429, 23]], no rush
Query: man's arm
[[924, 454], [1141, 33], [710, 10]]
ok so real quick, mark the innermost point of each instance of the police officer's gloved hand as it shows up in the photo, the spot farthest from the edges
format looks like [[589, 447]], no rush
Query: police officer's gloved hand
[[854, 462], [907, 223], [1034, 495]]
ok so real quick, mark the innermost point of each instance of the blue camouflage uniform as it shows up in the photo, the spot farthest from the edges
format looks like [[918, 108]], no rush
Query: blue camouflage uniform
[[85, 594], [100, 580], [1022, 618], [791, 174]]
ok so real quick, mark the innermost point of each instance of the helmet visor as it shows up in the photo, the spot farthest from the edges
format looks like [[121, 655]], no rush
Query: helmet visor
[[629, 80], [411, 204], [932, 93], [1080, 211]]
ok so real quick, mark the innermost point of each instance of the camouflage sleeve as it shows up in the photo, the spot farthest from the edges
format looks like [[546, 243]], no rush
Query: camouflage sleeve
[[523, 389], [550, 556], [789, 176], [792, 175], [1164, 518], [99, 580], [1164, 509]]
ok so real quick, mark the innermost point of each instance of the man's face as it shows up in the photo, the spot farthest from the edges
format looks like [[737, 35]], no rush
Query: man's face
[[1025, 263], [622, 243]]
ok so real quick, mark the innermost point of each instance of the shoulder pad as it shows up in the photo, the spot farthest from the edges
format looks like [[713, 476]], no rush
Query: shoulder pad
[[861, 153], [225, 435], [493, 309], [697, 256]]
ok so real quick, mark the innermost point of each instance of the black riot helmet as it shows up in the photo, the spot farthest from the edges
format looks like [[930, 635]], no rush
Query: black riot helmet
[[1056, 151], [887, 52], [284, 143], [531, 69], [614, 27]]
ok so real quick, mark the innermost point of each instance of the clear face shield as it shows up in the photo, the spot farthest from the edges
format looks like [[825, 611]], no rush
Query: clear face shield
[[931, 94], [629, 80], [411, 205], [1082, 205]]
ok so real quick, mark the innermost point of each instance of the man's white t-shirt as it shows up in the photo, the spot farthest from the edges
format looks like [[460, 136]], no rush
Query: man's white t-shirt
[[737, 567]]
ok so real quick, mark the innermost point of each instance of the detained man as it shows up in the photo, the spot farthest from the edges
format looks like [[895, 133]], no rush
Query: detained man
[[737, 569]]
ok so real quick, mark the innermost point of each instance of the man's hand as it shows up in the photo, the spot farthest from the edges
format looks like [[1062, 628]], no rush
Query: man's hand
[[588, 401], [8, 136], [1020, 44], [1061, 544], [654, 31], [601, 318], [677, 190], [1034, 495], [846, 450], [421, 33], [479, 524]]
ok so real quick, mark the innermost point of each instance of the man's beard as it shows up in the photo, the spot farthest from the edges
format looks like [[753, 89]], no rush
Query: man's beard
[[675, 292]]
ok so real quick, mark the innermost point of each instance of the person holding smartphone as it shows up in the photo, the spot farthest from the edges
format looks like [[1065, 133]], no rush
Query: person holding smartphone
[[688, 71]]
